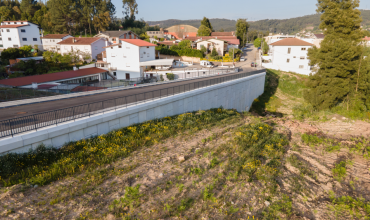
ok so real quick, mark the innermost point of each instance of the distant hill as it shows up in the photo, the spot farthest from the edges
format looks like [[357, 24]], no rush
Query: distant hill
[[286, 26]]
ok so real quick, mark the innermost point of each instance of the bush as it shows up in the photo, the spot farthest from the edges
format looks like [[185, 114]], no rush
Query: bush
[[175, 51], [170, 76]]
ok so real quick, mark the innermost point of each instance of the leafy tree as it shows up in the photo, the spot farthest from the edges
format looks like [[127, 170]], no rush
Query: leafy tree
[[5, 12], [161, 39], [235, 51], [131, 8], [13, 53], [338, 75], [144, 36], [257, 42], [241, 30], [206, 23], [204, 31], [185, 44]]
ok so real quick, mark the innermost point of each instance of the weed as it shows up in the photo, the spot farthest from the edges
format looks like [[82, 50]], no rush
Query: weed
[[185, 204], [129, 201], [214, 162], [208, 194], [340, 169], [181, 187], [348, 206], [276, 209]]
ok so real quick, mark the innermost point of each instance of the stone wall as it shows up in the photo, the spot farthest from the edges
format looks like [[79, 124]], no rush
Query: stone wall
[[238, 94]]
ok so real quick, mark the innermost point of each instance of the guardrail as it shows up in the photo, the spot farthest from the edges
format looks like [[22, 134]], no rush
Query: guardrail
[[22, 124]]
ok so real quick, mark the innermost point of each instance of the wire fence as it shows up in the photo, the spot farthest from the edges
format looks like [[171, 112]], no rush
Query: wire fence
[[22, 124]]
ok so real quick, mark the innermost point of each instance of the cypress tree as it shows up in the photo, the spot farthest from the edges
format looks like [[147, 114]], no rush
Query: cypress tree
[[336, 63], [206, 23]]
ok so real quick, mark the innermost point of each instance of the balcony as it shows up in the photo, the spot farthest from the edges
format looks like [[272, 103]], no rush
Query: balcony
[[112, 68]]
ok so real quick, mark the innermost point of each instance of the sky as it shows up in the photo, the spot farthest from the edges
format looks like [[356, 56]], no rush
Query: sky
[[157, 10]]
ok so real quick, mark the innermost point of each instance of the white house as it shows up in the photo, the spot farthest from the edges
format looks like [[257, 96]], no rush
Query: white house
[[19, 33], [115, 36], [50, 41], [131, 57], [220, 45], [83, 45], [289, 55], [367, 40]]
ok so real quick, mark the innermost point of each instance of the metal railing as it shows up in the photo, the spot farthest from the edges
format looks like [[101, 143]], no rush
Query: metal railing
[[11, 127]]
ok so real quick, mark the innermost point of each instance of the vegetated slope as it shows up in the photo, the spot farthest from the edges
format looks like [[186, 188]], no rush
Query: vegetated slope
[[286, 26], [216, 164]]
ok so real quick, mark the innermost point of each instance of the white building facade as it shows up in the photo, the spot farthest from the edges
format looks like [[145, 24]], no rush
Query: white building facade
[[289, 55], [50, 41], [91, 46], [15, 34], [124, 59]]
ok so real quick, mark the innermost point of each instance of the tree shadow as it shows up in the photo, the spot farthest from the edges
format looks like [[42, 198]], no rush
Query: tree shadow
[[271, 85]]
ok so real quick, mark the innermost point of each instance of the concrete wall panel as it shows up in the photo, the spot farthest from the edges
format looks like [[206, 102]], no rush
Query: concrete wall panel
[[238, 94]]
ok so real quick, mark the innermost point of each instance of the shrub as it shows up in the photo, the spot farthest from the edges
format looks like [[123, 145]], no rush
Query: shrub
[[170, 76]]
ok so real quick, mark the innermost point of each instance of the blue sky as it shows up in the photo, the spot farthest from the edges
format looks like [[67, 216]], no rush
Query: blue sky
[[155, 10]]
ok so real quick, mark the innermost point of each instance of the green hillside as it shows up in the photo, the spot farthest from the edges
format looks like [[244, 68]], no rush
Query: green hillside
[[291, 25]]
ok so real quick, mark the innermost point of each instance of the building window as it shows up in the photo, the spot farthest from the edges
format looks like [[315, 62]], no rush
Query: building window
[[114, 73], [302, 58], [24, 39], [113, 55], [8, 22], [148, 55], [301, 66], [1, 38], [142, 56], [7, 30], [288, 60], [96, 48], [127, 65], [294, 57], [119, 46], [289, 50], [23, 30], [1, 45], [21, 22], [9, 39], [303, 48], [34, 39], [15, 46], [113, 39]]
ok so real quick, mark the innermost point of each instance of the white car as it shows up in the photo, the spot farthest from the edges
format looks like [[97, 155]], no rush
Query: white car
[[206, 63], [242, 59]]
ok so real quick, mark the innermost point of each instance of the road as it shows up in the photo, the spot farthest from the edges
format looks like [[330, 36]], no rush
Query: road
[[26, 110], [249, 55]]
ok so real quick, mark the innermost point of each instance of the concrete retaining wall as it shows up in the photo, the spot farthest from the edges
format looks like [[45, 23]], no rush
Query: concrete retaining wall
[[238, 94]]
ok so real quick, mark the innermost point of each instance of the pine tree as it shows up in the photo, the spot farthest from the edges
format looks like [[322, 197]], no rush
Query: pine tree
[[337, 61], [204, 31], [206, 23]]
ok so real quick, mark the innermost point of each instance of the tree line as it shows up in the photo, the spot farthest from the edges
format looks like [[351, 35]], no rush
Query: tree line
[[75, 17]]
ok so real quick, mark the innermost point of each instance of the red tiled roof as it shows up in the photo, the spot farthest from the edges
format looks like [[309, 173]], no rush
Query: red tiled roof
[[86, 88], [138, 42], [54, 36], [222, 34], [291, 42], [80, 40], [13, 25], [320, 36], [28, 80], [366, 38], [168, 43], [211, 37]]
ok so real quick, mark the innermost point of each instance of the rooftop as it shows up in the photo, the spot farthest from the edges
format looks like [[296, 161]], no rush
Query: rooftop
[[319, 36], [222, 34], [13, 25], [366, 38], [138, 42], [80, 40], [54, 36], [291, 42], [28, 80]]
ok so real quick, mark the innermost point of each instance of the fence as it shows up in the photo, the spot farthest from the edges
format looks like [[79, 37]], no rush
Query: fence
[[18, 125], [151, 77]]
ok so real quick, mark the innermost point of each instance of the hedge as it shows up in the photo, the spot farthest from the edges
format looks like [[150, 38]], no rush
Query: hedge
[[184, 52]]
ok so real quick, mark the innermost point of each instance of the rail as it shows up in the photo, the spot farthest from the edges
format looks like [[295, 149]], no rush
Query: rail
[[14, 126]]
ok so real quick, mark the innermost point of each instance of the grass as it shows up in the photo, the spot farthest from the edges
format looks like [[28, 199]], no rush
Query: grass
[[291, 87], [45, 165]]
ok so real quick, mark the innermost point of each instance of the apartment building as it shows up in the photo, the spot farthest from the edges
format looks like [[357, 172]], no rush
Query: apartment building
[[15, 34], [83, 45]]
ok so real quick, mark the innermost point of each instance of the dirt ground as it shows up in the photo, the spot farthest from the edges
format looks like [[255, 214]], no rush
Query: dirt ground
[[170, 173]]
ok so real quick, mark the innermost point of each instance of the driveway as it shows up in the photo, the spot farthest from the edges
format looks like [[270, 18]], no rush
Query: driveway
[[250, 56]]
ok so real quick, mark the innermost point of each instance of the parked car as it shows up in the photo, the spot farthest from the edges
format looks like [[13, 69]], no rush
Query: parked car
[[242, 59], [254, 64], [206, 63]]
